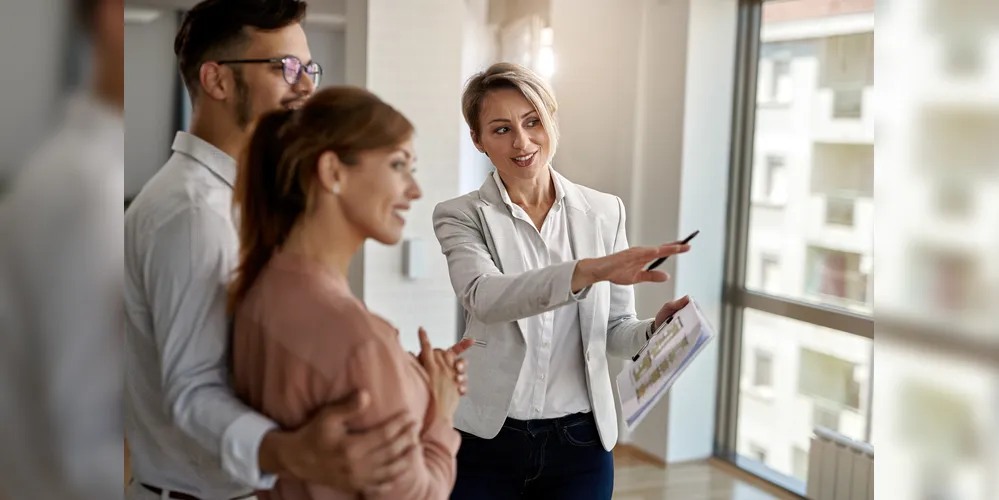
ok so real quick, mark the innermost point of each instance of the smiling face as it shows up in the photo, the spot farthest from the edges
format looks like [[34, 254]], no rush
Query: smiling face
[[261, 87], [511, 134], [376, 191]]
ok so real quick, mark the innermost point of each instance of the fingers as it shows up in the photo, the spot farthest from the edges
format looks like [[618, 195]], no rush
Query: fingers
[[672, 249], [462, 346], [384, 444], [426, 351], [383, 476], [392, 457], [350, 406], [644, 255], [460, 377], [444, 361], [652, 276], [681, 302], [450, 360]]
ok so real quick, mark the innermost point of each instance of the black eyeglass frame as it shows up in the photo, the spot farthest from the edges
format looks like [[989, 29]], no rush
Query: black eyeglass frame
[[284, 67]]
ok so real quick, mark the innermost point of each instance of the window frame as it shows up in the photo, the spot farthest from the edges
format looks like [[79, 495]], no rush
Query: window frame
[[736, 296]]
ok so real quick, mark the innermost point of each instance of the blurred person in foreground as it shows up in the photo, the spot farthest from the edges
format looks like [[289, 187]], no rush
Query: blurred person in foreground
[[314, 185], [190, 436], [60, 292], [544, 272]]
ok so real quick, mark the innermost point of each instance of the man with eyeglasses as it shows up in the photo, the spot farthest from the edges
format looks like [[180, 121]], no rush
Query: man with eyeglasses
[[189, 436]]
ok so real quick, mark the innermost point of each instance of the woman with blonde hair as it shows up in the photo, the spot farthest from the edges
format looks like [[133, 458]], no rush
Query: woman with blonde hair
[[544, 272], [314, 185]]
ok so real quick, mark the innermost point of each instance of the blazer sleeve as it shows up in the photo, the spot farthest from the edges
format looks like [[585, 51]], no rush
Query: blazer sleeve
[[485, 292], [626, 334], [382, 373]]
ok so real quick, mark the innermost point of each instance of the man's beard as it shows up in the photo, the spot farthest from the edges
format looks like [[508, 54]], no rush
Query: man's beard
[[243, 114]]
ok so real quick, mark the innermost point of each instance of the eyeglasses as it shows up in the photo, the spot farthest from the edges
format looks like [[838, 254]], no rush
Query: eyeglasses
[[292, 67]]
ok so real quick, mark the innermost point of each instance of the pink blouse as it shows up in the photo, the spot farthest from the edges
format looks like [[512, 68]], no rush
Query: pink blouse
[[302, 340]]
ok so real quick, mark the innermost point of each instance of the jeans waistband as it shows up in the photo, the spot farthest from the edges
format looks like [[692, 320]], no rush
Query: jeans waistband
[[544, 424]]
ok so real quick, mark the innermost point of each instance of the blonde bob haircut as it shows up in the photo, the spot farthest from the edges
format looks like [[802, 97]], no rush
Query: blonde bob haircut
[[506, 75]]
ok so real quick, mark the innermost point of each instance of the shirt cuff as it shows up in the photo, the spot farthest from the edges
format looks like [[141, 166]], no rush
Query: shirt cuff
[[577, 296], [240, 450]]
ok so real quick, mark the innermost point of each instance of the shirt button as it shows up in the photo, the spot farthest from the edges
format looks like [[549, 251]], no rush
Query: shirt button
[[537, 409], [542, 376], [545, 342]]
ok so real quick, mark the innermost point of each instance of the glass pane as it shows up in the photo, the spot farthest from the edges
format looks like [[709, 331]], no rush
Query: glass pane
[[796, 377], [812, 212]]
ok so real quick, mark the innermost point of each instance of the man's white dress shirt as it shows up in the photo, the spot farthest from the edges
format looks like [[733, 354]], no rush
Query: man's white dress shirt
[[60, 313], [552, 379], [186, 429]]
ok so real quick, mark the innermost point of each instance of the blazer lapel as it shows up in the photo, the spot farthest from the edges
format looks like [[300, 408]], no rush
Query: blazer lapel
[[585, 238], [502, 234]]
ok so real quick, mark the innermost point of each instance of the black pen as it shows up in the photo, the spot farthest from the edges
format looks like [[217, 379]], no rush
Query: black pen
[[658, 262]]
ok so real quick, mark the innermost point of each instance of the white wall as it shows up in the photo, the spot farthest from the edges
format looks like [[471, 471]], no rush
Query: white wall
[[328, 48], [151, 80], [414, 61], [33, 48], [710, 74], [479, 50], [645, 111]]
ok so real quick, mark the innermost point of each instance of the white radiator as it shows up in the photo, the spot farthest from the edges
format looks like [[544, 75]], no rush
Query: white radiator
[[839, 468]]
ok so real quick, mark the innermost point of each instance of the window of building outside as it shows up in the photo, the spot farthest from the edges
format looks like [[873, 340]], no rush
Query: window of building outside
[[776, 180], [802, 281], [835, 277], [840, 211], [770, 273], [764, 369], [779, 89]]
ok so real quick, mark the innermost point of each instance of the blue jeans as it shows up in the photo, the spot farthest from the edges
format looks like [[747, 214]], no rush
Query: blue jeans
[[559, 458]]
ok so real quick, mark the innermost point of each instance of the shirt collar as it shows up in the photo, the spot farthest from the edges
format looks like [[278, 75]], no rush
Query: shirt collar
[[559, 188], [213, 158]]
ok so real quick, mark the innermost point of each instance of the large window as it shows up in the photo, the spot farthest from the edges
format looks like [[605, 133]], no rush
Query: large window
[[801, 225]]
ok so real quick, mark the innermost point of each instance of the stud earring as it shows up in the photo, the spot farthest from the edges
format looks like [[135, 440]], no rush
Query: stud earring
[[336, 188]]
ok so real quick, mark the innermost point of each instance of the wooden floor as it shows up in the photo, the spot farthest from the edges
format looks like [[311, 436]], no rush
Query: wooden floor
[[639, 477]]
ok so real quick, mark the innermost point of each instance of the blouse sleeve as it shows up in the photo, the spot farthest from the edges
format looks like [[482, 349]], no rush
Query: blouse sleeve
[[376, 368]]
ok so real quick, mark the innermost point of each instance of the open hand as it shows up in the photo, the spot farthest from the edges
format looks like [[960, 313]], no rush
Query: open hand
[[626, 267], [324, 451]]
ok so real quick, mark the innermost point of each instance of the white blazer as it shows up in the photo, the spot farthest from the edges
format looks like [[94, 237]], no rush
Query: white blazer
[[477, 235]]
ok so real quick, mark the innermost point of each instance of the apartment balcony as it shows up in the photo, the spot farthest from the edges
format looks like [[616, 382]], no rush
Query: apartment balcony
[[841, 221], [844, 115]]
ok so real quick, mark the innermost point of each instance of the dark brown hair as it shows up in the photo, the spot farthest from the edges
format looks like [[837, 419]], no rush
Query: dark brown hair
[[216, 29], [278, 168], [84, 12]]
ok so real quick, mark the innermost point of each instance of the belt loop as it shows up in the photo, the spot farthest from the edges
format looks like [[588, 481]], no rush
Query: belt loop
[[164, 494]]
